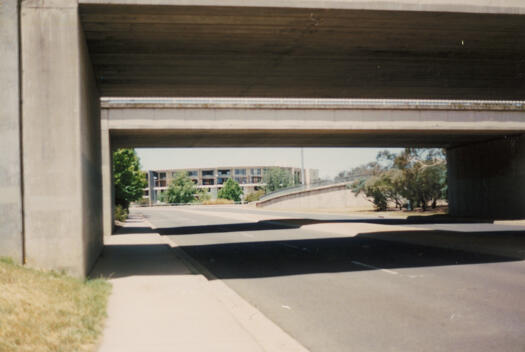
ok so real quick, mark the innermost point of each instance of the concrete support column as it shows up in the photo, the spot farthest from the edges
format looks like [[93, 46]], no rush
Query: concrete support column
[[61, 139], [488, 179], [11, 222], [107, 183]]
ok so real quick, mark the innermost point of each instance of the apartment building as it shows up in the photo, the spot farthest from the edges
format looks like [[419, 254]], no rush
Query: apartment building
[[250, 178]]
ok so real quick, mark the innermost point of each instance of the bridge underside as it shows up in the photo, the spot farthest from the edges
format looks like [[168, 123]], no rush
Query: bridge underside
[[243, 51], [131, 138], [76, 51]]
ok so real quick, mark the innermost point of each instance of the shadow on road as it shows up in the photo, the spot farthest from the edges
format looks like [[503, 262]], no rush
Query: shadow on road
[[281, 224], [268, 258], [329, 255]]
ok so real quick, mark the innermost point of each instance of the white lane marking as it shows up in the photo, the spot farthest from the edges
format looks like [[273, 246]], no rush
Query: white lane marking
[[247, 235], [375, 267], [286, 307]]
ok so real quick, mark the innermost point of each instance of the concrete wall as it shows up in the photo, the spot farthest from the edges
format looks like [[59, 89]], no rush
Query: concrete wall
[[61, 157], [488, 179], [11, 237], [330, 197], [107, 184], [92, 221]]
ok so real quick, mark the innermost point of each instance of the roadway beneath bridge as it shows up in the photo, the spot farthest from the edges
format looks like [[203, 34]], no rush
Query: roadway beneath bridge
[[349, 283]]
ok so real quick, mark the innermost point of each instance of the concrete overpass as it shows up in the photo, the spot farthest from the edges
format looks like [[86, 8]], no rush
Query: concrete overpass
[[60, 56]]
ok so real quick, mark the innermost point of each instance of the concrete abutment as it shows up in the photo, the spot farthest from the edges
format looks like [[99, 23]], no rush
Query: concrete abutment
[[61, 139], [487, 179], [11, 223]]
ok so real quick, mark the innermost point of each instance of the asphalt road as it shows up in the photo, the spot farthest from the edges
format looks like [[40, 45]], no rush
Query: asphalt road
[[335, 293]]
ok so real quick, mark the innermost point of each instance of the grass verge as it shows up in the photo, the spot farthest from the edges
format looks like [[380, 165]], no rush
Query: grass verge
[[44, 311]]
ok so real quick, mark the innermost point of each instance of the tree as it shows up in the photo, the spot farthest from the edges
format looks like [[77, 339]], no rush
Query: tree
[[417, 176], [181, 189], [230, 190], [129, 181], [276, 178]]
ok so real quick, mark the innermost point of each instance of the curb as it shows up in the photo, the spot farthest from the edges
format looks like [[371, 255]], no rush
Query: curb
[[269, 336]]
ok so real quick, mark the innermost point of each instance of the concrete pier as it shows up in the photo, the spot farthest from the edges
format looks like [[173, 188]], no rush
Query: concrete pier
[[487, 180], [61, 138]]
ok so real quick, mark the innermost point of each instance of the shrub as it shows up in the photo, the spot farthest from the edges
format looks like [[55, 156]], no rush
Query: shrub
[[121, 213], [231, 190], [254, 196], [217, 201]]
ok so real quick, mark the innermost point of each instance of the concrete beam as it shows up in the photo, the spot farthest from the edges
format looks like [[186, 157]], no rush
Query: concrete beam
[[213, 126], [11, 223], [61, 138], [487, 179]]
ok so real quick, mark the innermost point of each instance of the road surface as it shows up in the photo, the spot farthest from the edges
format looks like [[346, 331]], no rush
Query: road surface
[[359, 293]]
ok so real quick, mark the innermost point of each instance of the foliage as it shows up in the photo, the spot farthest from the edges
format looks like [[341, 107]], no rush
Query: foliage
[[371, 169], [230, 190], [276, 178], [218, 201], [202, 196], [121, 213], [129, 181], [49, 311], [254, 196], [415, 176], [181, 190]]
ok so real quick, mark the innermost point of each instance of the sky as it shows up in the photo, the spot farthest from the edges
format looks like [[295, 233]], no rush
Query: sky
[[329, 161]]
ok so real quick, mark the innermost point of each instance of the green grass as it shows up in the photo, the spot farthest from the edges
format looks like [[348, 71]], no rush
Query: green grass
[[48, 311]]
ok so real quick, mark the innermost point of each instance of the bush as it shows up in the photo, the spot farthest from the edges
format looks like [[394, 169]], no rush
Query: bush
[[231, 190], [254, 196], [121, 213], [182, 190], [142, 202], [217, 201]]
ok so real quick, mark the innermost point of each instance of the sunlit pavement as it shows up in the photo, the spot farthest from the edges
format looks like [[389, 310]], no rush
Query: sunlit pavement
[[347, 284]]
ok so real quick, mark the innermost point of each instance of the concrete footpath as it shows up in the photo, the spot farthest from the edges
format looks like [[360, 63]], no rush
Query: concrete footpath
[[161, 303]]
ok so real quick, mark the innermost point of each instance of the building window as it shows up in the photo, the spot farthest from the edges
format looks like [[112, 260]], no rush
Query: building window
[[255, 172], [240, 172], [207, 173], [240, 180], [193, 173], [256, 179], [221, 180], [208, 182], [224, 172]]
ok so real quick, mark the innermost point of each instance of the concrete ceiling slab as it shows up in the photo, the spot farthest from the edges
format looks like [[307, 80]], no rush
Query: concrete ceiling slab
[[235, 51]]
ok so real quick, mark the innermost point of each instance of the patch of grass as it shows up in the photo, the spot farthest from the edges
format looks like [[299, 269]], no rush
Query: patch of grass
[[254, 196], [44, 311], [217, 201]]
